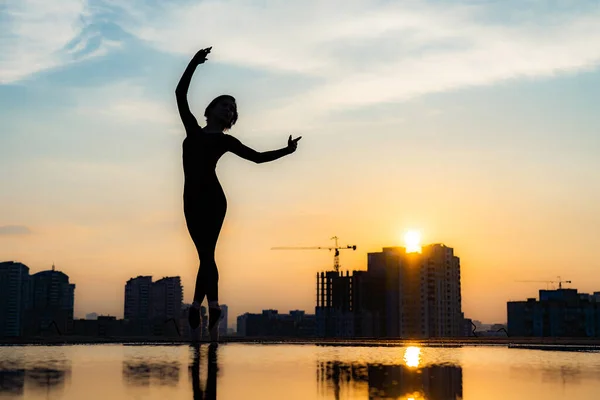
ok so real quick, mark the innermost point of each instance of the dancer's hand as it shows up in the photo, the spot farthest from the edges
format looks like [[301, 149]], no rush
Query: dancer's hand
[[200, 56], [293, 143]]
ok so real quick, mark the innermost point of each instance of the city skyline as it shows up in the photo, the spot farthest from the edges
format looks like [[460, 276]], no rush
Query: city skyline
[[413, 243], [473, 122], [412, 239], [379, 302]]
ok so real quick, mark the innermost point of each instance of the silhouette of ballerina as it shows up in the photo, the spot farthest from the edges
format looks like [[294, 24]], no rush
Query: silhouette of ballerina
[[204, 201]]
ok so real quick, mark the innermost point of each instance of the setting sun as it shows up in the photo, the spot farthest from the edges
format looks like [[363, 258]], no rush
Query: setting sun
[[412, 240]]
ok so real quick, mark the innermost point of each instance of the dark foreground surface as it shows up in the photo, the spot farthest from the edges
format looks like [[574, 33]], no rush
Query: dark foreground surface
[[290, 371]]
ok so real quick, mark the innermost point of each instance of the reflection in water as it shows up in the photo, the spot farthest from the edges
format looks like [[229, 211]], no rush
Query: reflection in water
[[12, 380], [563, 374], [412, 356], [45, 375], [210, 388], [287, 371], [401, 381], [143, 372]]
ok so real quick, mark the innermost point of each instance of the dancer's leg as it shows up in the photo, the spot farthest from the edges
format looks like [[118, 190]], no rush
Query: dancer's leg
[[205, 231], [208, 283], [207, 279]]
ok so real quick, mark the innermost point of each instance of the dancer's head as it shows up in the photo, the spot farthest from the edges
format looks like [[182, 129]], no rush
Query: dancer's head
[[222, 111]]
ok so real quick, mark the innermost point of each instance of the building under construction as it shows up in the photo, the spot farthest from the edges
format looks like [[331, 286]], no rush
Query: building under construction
[[347, 306], [401, 294]]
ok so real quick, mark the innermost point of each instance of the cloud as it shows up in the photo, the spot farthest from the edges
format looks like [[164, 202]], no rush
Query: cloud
[[366, 52], [14, 230], [350, 53], [125, 102], [38, 35]]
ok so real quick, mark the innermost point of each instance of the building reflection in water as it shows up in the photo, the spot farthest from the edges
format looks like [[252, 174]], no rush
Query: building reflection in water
[[139, 371], [407, 380], [12, 379], [48, 376], [207, 391]]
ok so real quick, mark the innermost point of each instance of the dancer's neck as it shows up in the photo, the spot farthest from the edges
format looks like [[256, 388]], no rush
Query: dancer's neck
[[212, 127]]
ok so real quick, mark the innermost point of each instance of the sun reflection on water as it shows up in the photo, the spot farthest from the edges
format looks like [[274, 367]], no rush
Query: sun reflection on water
[[414, 396], [412, 356]]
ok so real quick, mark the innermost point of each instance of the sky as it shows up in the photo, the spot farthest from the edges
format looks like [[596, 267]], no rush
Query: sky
[[474, 122]]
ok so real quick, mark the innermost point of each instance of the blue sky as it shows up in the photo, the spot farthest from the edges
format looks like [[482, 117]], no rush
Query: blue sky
[[474, 121]]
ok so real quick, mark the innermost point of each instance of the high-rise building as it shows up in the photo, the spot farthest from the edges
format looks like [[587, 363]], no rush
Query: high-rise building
[[138, 304], [14, 296], [402, 294], [138, 293], [422, 291], [443, 312], [167, 297], [223, 321], [150, 307], [52, 303]]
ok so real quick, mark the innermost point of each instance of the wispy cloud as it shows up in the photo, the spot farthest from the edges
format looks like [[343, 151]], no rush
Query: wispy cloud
[[354, 53], [366, 52], [36, 35], [125, 102], [14, 230]]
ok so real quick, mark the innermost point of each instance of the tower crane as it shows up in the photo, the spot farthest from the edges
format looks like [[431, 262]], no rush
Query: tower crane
[[559, 281], [337, 248]]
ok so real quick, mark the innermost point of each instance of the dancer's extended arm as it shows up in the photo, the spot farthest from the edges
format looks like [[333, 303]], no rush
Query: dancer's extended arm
[[245, 152], [188, 119]]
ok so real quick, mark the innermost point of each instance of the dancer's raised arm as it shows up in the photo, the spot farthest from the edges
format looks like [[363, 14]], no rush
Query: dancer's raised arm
[[188, 119], [245, 152]]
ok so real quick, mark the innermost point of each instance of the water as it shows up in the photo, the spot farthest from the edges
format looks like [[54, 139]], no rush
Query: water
[[281, 371]]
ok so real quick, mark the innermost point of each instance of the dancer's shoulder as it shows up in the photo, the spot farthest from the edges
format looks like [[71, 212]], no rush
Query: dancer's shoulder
[[230, 139]]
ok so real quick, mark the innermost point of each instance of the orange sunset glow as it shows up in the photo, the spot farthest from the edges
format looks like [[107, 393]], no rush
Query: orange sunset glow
[[433, 131]]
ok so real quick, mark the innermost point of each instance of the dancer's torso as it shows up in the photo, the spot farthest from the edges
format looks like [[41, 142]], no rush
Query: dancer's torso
[[201, 152]]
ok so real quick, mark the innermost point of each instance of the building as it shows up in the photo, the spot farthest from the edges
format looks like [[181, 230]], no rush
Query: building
[[14, 296], [223, 324], [402, 294], [557, 313], [271, 323], [102, 326], [50, 308], [184, 325], [301, 324], [167, 298], [138, 304], [138, 293], [150, 306], [441, 315], [348, 305]]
